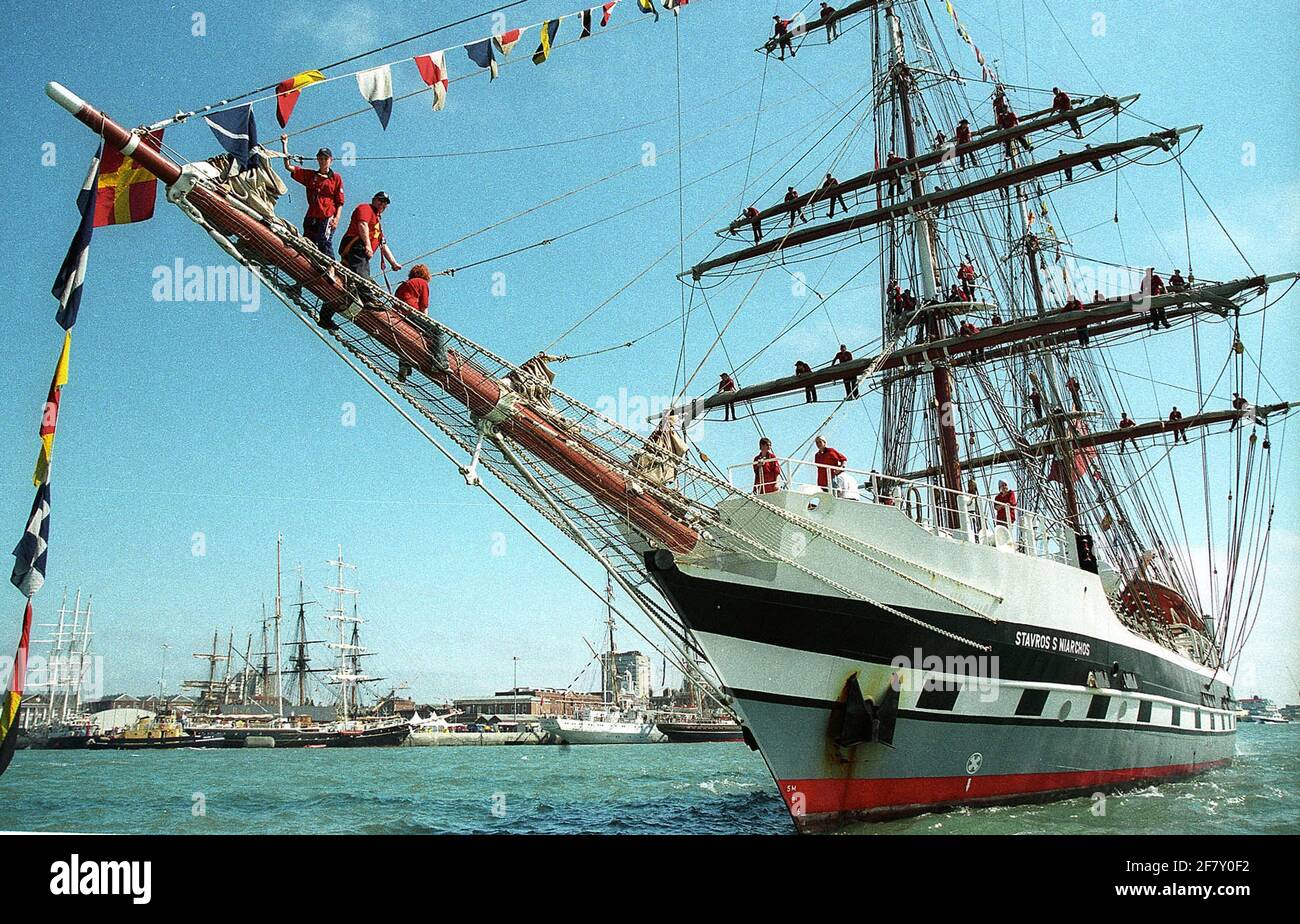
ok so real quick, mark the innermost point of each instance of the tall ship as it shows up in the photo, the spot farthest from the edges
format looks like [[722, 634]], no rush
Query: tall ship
[[59, 721], [263, 705], [912, 634]]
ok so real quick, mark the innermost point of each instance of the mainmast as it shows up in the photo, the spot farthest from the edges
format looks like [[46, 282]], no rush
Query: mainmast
[[923, 233]]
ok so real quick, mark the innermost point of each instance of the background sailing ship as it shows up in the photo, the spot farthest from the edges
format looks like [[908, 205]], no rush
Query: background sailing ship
[[1114, 662]]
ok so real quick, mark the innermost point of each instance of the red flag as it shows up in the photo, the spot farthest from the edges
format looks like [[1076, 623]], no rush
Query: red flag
[[286, 93], [126, 190], [605, 10], [13, 699], [433, 69]]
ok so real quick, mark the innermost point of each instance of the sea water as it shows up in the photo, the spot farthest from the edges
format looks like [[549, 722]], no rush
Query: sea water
[[611, 789]]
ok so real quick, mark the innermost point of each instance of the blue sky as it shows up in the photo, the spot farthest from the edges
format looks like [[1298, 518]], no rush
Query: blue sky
[[198, 417]]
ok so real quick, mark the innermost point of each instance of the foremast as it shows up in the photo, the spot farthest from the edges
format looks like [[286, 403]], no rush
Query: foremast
[[944, 419]]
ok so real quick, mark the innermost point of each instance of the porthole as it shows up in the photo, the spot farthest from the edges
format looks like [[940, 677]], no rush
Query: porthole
[[1064, 712], [1123, 708]]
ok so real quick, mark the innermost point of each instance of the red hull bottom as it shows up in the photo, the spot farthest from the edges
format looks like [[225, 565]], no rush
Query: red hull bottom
[[824, 804]]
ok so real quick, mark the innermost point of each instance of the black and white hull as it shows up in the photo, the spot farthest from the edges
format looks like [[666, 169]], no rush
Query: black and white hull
[[952, 672]]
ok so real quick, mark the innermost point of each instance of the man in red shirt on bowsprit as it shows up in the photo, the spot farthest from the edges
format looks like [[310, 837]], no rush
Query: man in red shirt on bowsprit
[[1004, 505], [767, 469], [365, 236], [324, 197], [830, 462]]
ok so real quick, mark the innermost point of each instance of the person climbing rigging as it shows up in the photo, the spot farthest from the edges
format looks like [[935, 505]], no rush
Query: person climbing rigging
[[1176, 282], [1240, 406], [781, 33], [364, 237], [791, 201], [1008, 120], [751, 214], [1061, 102], [831, 189], [1036, 401], [966, 276], [832, 22], [727, 384], [961, 137], [414, 292], [850, 382], [809, 390], [324, 197], [1180, 430], [895, 176], [1073, 387], [1125, 423]]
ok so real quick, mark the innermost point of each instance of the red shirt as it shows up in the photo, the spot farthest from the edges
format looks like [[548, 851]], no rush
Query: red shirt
[[415, 292], [324, 191], [365, 213], [830, 462], [1008, 119], [1005, 506], [767, 473], [1061, 102], [963, 134]]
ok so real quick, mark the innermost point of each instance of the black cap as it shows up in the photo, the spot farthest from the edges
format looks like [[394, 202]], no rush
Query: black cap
[[382, 196], [324, 152]]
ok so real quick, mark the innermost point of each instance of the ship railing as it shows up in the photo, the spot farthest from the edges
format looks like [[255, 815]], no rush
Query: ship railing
[[967, 517]]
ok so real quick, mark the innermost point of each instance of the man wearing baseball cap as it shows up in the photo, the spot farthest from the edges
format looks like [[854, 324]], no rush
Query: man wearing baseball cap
[[324, 197]]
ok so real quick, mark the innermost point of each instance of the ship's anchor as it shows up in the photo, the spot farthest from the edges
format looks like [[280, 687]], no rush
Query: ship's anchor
[[861, 720]]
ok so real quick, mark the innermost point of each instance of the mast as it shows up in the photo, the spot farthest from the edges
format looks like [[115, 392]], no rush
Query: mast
[[84, 652], [611, 669], [343, 675], [923, 233], [279, 676]]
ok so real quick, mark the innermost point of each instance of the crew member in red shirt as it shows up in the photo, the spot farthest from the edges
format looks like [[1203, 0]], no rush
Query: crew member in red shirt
[[895, 178], [1061, 103], [767, 469], [830, 462], [966, 276], [962, 136], [415, 290], [324, 197], [1008, 119], [365, 236], [1004, 505], [781, 32], [751, 214], [1125, 422]]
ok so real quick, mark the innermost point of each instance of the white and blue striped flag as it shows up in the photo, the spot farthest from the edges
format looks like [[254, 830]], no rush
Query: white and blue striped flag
[[72, 274], [31, 552]]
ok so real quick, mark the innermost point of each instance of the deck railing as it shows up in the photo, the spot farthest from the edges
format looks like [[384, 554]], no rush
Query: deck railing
[[969, 517]]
